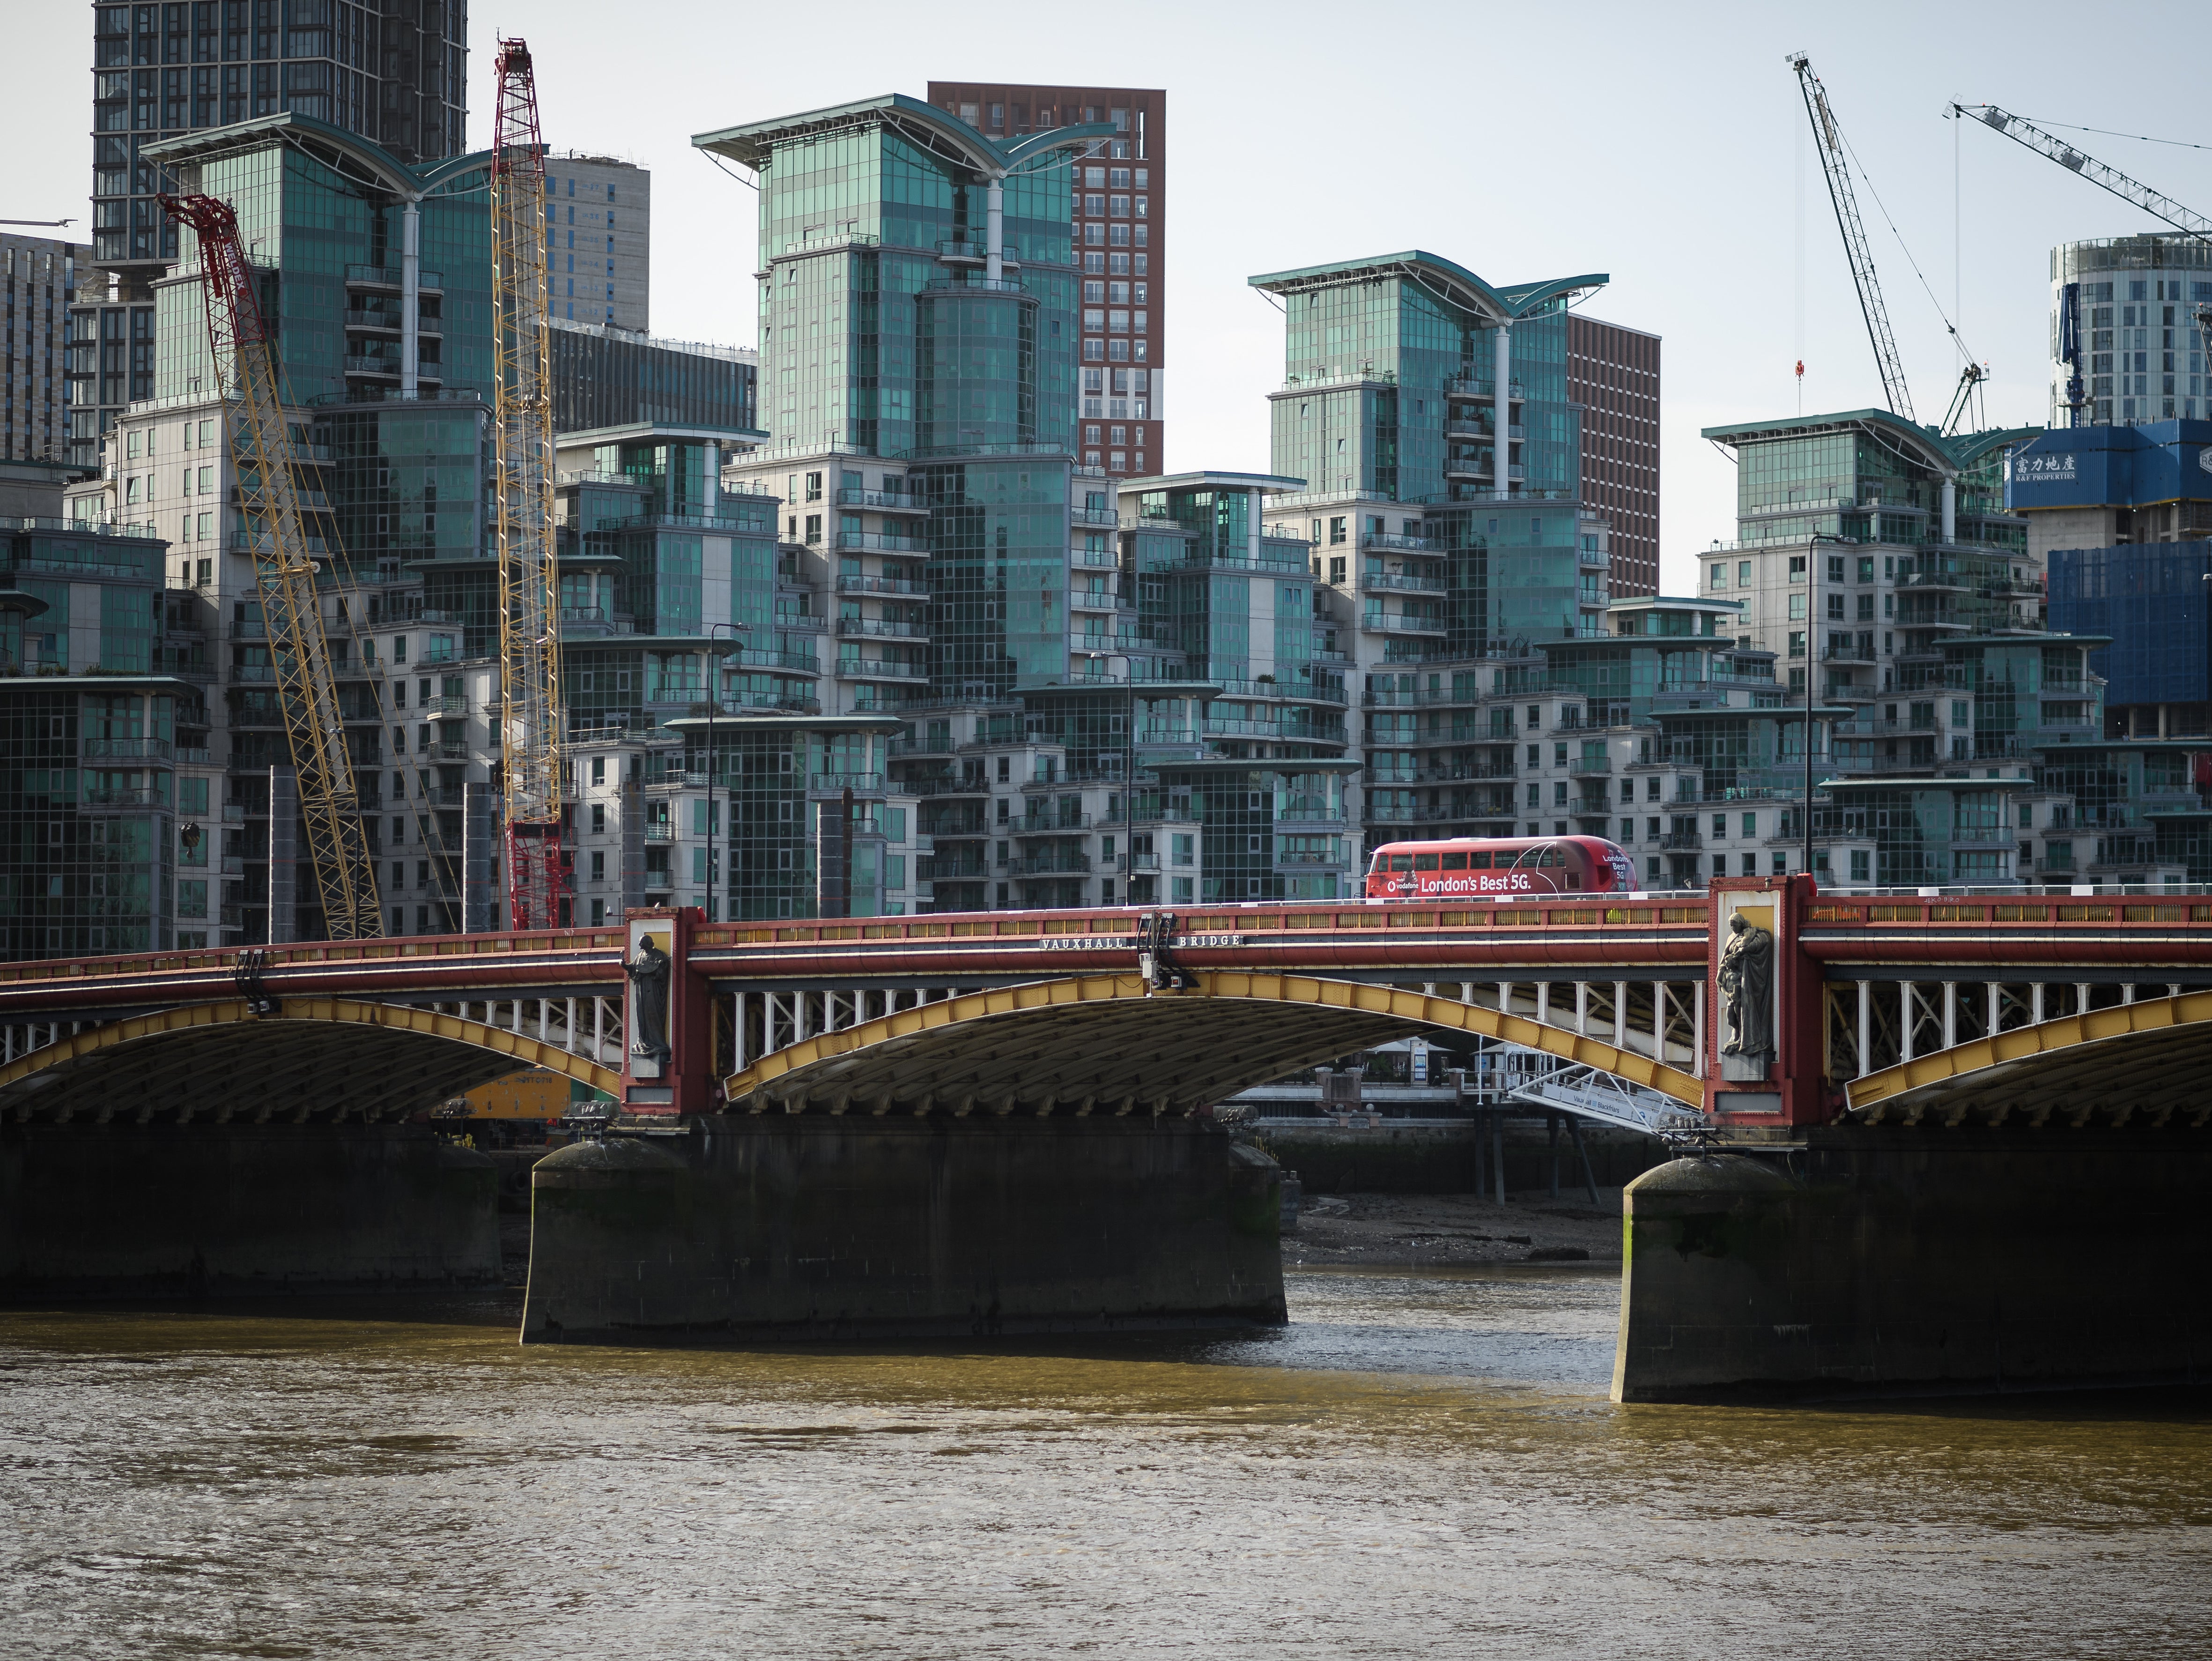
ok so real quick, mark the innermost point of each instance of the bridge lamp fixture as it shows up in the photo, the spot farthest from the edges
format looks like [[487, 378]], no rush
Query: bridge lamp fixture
[[190, 838]]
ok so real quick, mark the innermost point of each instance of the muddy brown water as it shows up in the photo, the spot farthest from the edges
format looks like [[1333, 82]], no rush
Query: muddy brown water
[[1423, 1464]]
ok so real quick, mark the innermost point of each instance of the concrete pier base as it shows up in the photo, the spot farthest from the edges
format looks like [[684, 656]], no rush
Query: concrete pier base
[[221, 1210], [837, 1226], [1901, 1261]]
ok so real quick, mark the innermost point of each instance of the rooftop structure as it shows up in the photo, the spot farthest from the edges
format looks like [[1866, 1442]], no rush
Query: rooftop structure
[[598, 241], [2145, 356]]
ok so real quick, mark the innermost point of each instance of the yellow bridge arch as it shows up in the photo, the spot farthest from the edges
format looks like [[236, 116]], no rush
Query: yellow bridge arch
[[1108, 1043], [2141, 1060], [319, 1058]]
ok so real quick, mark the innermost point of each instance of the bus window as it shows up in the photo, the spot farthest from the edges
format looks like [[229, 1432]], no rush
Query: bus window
[[1401, 862], [1454, 861], [1479, 862], [1554, 856], [1425, 861]]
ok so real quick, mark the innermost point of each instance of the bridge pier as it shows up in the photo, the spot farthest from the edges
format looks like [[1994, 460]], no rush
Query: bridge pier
[[1902, 1260], [170, 1209], [849, 1226]]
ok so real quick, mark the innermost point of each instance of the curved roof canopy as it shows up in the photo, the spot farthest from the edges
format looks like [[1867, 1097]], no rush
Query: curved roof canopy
[[1924, 445], [365, 163], [1455, 284], [941, 133]]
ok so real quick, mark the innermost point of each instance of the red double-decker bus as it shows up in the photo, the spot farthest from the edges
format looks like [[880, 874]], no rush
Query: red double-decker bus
[[1476, 868]]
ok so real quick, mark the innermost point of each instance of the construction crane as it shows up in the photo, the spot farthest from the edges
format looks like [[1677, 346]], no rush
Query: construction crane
[[1834, 163], [268, 501], [529, 639], [2153, 203]]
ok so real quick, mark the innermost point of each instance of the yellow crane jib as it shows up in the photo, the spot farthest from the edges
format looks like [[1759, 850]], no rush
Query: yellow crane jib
[[532, 791]]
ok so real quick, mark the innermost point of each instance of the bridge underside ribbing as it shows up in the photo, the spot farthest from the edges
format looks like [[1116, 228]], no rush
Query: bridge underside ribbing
[[2144, 1062], [1105, 1044], [317, 1060]]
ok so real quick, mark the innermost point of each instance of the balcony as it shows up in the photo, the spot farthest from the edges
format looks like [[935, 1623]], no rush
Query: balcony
[[890, 628], [1396, 542], [389, 277], [128, 749], [1399, 622], [878, 669], [900, 585], [1585, 766], [1102, 518], [883, 502], [832, 784], [878, 542], [1484, 388], [1386, 580], [1050, 865], [1679, 842], [660, 832], [1098, 600]]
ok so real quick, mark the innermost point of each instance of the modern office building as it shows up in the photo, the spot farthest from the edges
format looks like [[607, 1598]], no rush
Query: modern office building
[[608, 377], [1874, 542], [1118, 200], [388, 404], [1432, 552], [2142, 354], [102, 749], [598, 241], [392, 74], [1092, 689], [1612, 372], [37, 278]]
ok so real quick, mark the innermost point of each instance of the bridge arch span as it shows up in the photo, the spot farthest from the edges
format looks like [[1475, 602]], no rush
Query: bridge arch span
[[1108, 1043], [321, 1059], [2141, 1062]]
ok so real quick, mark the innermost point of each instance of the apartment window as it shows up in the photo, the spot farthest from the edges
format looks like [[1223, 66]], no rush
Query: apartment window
[[1720, 576], [1796, 608], [1743, 573], [1336, 529], [1095, 294], [1119, 206], [1094, 350], [1797, 568], [814, 524]]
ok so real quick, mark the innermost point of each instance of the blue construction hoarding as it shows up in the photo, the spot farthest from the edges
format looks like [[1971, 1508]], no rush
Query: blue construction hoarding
[[2153, 602], [2110, 466]]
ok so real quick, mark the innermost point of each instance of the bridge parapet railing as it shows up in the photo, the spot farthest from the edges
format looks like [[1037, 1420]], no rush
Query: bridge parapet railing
[[318, 955]]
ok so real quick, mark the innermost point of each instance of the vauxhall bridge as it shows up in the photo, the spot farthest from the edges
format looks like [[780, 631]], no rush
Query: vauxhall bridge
[[995, 1123]]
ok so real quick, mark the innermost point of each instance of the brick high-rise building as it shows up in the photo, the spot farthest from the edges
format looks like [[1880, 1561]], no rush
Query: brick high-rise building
[[1613, 373], [1120, 213]]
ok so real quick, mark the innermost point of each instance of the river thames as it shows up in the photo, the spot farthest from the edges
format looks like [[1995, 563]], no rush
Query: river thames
[[1423, 1464]]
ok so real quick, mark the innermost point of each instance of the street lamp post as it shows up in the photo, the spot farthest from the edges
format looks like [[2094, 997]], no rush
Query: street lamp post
[[714, 709]]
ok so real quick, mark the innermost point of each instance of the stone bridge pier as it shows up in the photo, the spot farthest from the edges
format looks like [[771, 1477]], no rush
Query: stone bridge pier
[[1945, 1174]]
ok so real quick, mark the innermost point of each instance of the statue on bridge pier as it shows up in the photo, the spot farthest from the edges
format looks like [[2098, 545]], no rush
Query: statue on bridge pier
[[648, 973], [1747, 989]]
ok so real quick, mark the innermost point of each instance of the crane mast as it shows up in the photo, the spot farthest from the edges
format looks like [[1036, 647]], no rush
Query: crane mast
[[529, 638], [269, 498], [2153, 203], [1829, 139]]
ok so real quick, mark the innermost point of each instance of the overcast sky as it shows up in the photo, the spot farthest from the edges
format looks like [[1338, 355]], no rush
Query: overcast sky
[[1664, 145]]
